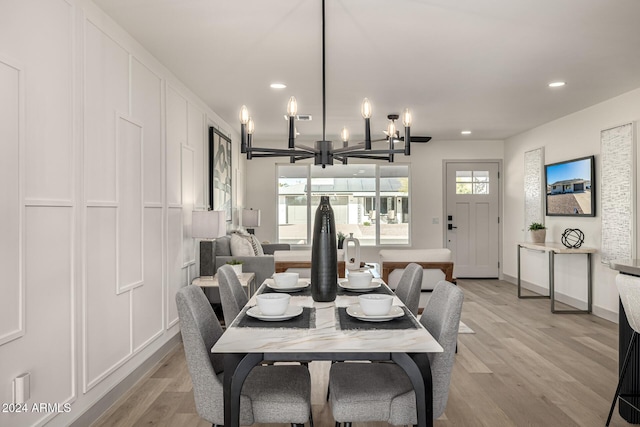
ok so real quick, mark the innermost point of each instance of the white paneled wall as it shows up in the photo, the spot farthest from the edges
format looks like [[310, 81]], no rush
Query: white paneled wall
[[102, 160]]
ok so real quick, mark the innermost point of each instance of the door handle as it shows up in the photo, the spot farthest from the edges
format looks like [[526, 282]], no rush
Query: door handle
[[450, 226]]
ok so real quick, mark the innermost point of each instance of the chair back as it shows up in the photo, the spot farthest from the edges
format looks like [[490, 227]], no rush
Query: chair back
[[232, 295], [441, 318], [200, 331], [408, 289], [629, 289]]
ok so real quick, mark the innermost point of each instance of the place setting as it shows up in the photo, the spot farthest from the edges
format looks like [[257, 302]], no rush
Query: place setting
[[287, 283], [276, 307], [375, 311], [358, 282]]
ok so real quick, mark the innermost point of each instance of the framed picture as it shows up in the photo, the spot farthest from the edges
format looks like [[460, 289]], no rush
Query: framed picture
[[220, 172]]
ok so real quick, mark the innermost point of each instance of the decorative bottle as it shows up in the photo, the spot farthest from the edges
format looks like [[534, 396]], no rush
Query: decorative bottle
[[324, 254]]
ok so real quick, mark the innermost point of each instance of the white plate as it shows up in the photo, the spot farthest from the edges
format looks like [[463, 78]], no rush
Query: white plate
[[356, 311], [292, 311], [302, 284], [344, 283]]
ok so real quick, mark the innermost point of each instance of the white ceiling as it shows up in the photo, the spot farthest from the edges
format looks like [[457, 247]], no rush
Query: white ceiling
[[457, 64]]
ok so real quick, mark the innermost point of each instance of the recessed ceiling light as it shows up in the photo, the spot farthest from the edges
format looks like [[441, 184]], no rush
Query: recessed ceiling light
[[466, 132], [278, 85], [557, 84]]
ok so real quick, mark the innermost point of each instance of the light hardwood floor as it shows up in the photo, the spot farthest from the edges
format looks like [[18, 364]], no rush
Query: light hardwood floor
[[523, 367]]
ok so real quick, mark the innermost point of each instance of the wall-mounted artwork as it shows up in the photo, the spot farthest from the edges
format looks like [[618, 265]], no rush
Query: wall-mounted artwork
[[570, 187], [533, 195], [618, 193], [220, 172]]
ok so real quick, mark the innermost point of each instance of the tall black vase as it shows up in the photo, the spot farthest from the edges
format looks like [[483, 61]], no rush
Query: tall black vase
[[324, 254]]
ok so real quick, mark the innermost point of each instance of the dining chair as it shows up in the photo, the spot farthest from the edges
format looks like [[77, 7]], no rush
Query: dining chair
[[629, 291], [408, 289], [270, 394], [232, 296], [364, 392]]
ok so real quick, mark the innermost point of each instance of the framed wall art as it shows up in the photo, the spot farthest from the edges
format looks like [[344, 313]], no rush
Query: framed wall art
[[220, 172]]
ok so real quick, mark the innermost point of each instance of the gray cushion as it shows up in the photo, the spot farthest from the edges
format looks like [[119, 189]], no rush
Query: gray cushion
[[223, 246], [382, 391], [408, 289], [270, 394]]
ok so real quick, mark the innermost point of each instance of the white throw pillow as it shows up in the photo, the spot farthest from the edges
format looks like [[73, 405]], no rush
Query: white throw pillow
[[257, 247], [240, 246]]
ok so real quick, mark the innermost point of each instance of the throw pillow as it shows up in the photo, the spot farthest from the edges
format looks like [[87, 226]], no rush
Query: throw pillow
[[240, 246], [257, 247]]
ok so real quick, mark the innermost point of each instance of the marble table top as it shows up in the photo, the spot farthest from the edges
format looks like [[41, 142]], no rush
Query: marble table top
[[325, 337]]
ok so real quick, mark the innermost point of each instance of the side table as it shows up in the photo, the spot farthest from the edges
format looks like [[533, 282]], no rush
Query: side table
[[247, 280]]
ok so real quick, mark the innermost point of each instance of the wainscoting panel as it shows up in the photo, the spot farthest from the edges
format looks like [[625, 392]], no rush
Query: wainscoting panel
[[106, 314], [130, 227], [176, 137], [196, 141], [146, 107], [50, 293], [106, 92], [147, 299], [11, 180], [174, 263]]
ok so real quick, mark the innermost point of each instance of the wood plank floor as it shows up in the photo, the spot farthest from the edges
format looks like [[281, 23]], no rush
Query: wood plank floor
[[523, 367]]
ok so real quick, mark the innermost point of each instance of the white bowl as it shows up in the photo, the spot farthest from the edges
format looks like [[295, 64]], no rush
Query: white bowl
[[273, 304], [375, 304], [286, 280], [359, 279]]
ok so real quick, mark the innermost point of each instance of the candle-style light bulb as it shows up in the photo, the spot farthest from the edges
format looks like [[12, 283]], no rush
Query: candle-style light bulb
[[391, 129], [251, 127], [406, 118], [344, 134], [244, 115], [366, 108], [292, 107]]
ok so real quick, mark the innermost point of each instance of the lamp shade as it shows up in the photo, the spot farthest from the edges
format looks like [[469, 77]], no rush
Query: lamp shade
[[251, 217], [208, 224]]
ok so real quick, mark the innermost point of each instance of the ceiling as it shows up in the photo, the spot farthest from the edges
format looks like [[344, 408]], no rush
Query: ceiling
[[458, 65]]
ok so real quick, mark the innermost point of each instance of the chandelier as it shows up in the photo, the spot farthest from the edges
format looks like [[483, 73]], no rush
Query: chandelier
[[324, 153]]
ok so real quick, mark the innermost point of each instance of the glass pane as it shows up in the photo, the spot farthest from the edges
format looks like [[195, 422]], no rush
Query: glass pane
[[462, 188], [394, 205], [292, 204], [481, 188], [463, 176], [481, 176]]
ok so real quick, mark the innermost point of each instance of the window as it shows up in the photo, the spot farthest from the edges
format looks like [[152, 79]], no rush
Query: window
[[472, 182], [354, 191]]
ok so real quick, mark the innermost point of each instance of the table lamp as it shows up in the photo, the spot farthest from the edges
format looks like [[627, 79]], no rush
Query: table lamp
[[208, 225], [250, 219]]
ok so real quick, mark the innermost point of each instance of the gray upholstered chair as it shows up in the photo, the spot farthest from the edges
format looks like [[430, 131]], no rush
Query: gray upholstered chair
[[232, 296], [270, 394], [408, 289], [366, 392]]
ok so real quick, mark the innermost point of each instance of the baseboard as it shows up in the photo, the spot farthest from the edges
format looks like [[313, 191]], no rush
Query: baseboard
[[603, 313], [112, 396]]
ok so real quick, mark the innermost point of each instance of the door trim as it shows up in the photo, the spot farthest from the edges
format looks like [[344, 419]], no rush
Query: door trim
[[446, 162]]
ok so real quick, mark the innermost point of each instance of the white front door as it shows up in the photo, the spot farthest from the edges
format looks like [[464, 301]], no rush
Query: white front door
[[472, 217]]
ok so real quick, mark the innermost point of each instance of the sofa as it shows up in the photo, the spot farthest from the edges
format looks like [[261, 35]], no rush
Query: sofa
[[262, 265], [436, 264]]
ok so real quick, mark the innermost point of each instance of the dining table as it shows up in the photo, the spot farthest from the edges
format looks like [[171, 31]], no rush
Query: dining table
[[326, 331]]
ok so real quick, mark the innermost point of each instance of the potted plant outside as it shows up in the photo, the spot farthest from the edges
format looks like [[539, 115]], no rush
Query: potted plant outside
[[237, 266], [537, 232]]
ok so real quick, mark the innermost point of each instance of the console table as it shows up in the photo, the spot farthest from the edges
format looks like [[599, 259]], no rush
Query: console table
[[553, 249]]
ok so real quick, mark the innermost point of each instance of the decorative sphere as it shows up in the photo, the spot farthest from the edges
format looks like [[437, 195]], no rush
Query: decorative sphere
[[572, 238]]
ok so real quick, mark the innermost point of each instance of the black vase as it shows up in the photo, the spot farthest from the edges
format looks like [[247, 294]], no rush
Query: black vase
[[324, 255]]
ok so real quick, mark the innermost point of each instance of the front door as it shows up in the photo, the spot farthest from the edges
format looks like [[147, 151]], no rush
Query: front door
[[472, 217]]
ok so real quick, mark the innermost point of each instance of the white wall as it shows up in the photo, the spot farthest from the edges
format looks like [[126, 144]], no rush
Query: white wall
[[102, 159], [576, 135], [426, 188]]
